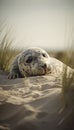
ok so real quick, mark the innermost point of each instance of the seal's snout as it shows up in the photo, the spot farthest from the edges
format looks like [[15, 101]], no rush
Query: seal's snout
[[44, 66]]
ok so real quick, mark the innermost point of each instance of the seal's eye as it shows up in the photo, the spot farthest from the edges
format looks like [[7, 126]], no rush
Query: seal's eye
[[29, 60], [44, 55]]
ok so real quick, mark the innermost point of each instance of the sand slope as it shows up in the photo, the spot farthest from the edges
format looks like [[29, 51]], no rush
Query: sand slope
[[30, 104]]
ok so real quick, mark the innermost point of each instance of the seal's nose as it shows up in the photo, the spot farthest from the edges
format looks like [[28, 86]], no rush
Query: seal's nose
[[44, 66]]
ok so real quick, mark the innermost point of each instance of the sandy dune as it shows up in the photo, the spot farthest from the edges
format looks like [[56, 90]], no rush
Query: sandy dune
[[30, 104]]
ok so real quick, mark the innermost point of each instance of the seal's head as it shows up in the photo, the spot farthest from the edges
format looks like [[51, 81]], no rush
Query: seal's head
[[33, 62]]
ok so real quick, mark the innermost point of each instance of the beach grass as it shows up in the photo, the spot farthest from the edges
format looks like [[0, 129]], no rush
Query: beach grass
[[68, 88], [7, 52]]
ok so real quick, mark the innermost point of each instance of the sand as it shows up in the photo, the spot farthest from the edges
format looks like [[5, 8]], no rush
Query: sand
[[33, 103]]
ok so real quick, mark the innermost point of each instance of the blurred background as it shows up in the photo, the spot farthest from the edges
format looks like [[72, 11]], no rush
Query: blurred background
[[43, 23], [48, 24]]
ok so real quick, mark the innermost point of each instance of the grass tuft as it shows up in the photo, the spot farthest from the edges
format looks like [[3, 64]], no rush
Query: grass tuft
[[7, 52]]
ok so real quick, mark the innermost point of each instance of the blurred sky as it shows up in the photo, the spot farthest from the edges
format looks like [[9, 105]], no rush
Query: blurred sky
[[43, 23]]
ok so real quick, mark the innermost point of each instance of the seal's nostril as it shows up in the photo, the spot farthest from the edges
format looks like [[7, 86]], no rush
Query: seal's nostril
[[44, 66]]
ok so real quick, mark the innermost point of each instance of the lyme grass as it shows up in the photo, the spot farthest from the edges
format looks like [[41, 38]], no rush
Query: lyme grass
[[68, 88], [68, 83], [7, 52]]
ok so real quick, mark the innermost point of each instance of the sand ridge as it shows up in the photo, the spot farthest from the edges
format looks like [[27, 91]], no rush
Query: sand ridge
[[31, 103]]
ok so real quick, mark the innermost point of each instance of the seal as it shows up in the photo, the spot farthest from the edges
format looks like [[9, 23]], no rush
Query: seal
[[32, 62], [35, 61]]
